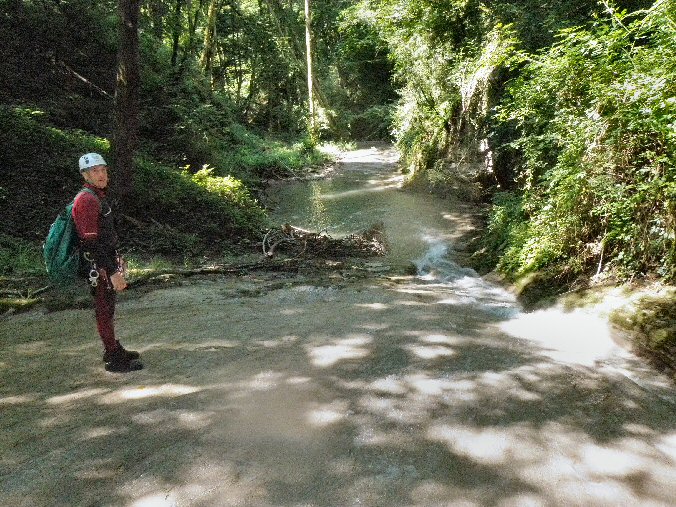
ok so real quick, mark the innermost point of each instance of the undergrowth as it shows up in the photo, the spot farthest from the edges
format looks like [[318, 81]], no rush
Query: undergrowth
[[176, 211], [597, 186]]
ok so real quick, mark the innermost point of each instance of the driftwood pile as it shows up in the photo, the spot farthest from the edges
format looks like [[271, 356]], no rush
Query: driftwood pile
[[296, 242]]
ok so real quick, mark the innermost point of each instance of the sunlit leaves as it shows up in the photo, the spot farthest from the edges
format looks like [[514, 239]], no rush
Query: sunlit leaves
[[596, 115]]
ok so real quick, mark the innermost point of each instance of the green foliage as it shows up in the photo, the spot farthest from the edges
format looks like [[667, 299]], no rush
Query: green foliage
[[183, 214], [250, 157], [362, 64], [38, 170], [56, 102], [596, 116], [577, 100], [173, 212], [373, 124], [652, 321], [40, 66], [574, 101], [19, 257], [444, 57]]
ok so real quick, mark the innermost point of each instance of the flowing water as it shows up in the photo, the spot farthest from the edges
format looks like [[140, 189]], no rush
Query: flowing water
[[315, 389], [606, 465], [420, 228], [364, 190]]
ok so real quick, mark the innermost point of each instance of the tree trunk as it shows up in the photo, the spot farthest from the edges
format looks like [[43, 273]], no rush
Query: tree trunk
[[193, 23], [176, 28], [312, 120], [295, 52], [127, 97], [157, 10], [209, 40]]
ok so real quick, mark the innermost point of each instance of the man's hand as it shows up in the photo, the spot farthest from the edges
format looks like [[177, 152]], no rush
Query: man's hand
[[118, 281]]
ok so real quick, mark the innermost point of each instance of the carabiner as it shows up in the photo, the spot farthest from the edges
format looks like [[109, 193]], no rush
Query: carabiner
[[94, 277]]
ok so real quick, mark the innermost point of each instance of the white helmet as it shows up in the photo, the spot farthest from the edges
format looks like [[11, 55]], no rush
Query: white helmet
[[89, 160]]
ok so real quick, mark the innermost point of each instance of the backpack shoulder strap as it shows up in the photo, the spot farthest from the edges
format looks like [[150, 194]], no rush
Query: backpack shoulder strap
[[89, 191]]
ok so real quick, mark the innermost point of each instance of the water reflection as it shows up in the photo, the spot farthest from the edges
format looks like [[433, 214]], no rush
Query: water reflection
[[360, 194], [319, 219]]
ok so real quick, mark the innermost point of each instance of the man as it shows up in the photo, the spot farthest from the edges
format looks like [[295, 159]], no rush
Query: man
[[94, 223]]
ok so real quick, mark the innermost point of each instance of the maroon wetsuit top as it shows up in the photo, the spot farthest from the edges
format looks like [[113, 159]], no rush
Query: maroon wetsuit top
[[93, 219]]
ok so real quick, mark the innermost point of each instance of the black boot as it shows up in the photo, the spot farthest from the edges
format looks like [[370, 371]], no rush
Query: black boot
[[118, 361], [129, 354]]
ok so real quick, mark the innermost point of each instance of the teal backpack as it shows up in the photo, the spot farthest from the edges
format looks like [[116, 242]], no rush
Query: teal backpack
[[61, 249]]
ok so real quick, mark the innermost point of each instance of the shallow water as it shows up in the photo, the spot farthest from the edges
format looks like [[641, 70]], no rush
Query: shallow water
[[420, 228], [271, 390], [364, 190]]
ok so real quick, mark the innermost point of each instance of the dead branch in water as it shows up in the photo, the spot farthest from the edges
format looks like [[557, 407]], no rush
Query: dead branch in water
[[297, 242]]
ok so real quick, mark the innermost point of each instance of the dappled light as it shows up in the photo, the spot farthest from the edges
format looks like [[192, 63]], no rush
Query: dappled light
[[263, 381], [99, 432], [374, 306], [16, 400], [183, 419], [273, 389], [561, 455], [328, 413], [466, 301], [162, 391], [439, 401], [80, 395], [376, 186], [348, 348], [157, 500], [430, 352]]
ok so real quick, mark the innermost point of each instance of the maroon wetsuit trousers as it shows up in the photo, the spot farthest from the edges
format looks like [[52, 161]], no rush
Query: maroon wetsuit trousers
[[104, 309]]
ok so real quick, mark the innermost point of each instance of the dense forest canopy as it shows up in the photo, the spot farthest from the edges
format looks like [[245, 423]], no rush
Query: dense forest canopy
[[560, 116]]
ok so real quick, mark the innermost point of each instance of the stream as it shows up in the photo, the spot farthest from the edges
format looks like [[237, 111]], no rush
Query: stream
[[323, 389], [421, 229]]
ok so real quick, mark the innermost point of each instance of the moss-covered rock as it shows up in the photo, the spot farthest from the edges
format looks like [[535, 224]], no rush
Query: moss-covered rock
[[651, 322]]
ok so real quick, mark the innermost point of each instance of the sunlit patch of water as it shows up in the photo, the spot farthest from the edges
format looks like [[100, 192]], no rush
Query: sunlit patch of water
[[349, 348], [574, 337]]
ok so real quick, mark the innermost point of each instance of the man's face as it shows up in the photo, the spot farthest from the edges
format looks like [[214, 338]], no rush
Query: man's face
[[97, 176]]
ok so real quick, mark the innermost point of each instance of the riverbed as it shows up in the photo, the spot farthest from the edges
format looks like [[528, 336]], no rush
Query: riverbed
[[328, 389]]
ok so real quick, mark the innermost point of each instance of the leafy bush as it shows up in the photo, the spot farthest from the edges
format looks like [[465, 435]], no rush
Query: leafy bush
[[373, 124], [596, 116], [19, 257], [253, 158], [189, 213]]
